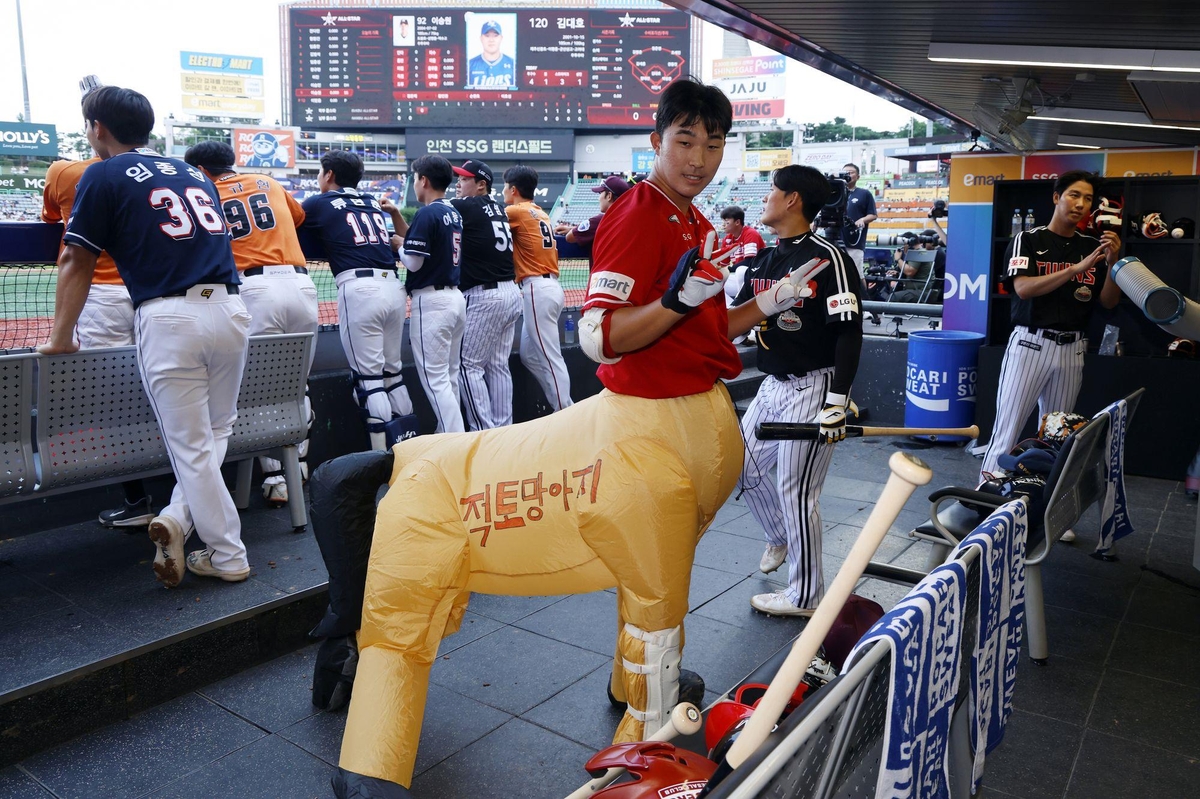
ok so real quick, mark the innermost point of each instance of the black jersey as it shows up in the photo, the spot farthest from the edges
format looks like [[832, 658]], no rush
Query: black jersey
[[804, 338], [352, 229], [487, 255], [1040, 251]]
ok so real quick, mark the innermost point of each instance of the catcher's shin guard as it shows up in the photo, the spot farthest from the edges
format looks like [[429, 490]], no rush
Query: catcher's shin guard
[[651, 664]]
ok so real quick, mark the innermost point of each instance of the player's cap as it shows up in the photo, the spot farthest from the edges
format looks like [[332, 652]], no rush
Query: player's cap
[[491, 26], [613, 183], [475, 169]]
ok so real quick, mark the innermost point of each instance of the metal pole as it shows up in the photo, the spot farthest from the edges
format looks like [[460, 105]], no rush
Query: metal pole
[[21, 45]]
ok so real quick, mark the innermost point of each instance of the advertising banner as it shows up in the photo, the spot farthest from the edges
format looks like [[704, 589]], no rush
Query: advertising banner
[[1048, 166], [25, 138], [204, 105], [758, 109], [544, 145], [265, 147], [753, 88], [226, 85], [750, 65], [215, 62], [765, 160], [1145, 164], [971, 177], [643, 161]]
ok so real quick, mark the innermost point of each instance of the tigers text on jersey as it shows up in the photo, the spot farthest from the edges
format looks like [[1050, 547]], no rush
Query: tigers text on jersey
[[62, 181], [487, 250], [436, 234], [352, 228], [534, 250], [635, 253], [159, 219], [1037, 252], [804, 338], [262, 219]]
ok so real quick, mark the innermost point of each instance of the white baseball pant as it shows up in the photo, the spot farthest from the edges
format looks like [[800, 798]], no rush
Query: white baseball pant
[[191, 353], [435, 333], [107, 317], [542, 301], [1035, 370], [486, 382], [789, 509], [281, 300], [371, 327]]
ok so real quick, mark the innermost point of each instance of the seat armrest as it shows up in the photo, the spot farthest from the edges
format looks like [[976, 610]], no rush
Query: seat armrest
[[968, 494]]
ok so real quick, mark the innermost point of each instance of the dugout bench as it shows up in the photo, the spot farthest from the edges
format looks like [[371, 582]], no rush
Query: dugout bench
[[83, 420]]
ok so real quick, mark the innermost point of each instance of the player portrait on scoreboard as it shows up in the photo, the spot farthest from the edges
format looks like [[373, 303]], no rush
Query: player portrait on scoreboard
[[491, 50], [404, 32]]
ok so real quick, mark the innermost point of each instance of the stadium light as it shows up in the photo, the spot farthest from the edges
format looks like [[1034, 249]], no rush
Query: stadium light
[[1066, 57], [1096, 116]]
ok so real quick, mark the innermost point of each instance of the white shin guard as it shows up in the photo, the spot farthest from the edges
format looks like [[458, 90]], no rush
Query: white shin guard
[[660, 667]]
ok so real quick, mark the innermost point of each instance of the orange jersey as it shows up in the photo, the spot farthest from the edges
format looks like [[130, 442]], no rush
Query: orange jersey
[[62, 180], [262, 219], [534, 252]]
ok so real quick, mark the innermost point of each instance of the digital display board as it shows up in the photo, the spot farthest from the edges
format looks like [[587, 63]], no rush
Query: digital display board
[[405, 67]]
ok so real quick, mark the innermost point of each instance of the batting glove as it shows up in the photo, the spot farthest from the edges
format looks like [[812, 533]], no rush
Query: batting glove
[[832, 418], [698, 276], [791, 289]]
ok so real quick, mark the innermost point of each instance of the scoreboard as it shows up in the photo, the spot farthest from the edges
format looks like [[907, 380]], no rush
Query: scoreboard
[[439, 68]]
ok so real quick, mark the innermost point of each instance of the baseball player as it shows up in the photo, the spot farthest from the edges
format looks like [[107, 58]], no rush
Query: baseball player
[[486, 280], [491, 69], [107, 316], [743, 242], [262, 219], [432, 253], [535, 256], [371, 300], [160, 220], [584, 234], [809, 352], [1056, 274]]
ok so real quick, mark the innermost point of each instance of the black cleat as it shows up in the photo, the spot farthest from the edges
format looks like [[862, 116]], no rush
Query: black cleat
[[691, 689], [139, 514]]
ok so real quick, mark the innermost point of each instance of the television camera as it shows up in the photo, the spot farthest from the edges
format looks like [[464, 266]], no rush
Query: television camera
[[831, 219]]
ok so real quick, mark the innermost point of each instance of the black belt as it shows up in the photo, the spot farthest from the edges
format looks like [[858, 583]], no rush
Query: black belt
[[371, 272], [1057, 336], [435, 287], [547, 275], [258, 270], [230, 288]]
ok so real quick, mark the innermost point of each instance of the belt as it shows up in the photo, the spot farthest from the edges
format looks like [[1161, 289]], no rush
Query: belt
[[376, 273], [1057, 336], [258, 270], [427, 289], [230, 288]]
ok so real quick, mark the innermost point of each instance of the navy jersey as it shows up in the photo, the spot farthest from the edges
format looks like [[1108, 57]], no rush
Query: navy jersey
[[436, 234], [859, 203], [159, 219], [352, 228], [487, 252], [501, 74]]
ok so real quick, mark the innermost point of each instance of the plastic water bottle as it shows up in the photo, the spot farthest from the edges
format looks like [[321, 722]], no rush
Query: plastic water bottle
[[1016, 222], [1029, 223], [569, 328], [1109, 345]]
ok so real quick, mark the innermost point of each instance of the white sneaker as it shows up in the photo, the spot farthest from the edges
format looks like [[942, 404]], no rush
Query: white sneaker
[[777, 604], [1067, 537], [772, 558], [167, 535], [200, 563], [275, 494]]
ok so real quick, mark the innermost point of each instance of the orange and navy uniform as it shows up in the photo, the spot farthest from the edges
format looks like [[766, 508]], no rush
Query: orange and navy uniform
[[255, 208], [534, 251], [62, 181]]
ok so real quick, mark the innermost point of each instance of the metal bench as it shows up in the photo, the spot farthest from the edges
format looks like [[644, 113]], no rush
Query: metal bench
[[95, 425], [16, 413]]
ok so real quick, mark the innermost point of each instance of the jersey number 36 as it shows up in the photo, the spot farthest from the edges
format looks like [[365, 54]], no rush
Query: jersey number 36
[[184, 214]]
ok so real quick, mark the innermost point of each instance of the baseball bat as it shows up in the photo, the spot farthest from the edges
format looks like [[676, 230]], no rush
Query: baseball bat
[[907, 473], [685, 719], [807, 431]]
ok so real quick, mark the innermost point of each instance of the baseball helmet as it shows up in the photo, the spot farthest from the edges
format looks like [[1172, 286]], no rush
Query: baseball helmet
[[1181, 348], [724, 715], [658, 769], [1107, 216], [1034, 460], [1057, 425], [1032, 487], [1183, 228], [1152, 226]]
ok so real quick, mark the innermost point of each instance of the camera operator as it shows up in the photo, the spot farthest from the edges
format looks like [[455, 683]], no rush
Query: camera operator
[[880, 281], [860, 213], [916, 275]]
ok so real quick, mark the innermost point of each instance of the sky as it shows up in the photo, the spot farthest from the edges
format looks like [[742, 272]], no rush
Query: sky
[[136, 43]]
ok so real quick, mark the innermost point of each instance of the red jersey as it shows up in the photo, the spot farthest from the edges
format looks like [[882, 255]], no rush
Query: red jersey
[[635, 253], [748, 242], [58, 198]]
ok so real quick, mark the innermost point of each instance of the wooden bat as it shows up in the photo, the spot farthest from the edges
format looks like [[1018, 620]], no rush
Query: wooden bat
[[807, 431], [685, 719], [908, 472]]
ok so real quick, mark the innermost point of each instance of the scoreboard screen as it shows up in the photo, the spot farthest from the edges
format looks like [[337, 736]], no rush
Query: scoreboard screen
[[405, 67]]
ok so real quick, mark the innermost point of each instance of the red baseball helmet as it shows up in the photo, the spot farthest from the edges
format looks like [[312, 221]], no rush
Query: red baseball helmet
[[658, 768]]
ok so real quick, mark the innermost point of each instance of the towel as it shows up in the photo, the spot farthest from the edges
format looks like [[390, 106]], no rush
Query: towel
[[1000, 540], [1115, 523], [924, 632]]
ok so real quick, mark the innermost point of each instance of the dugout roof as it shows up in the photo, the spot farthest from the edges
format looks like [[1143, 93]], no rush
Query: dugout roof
[[883, 46]]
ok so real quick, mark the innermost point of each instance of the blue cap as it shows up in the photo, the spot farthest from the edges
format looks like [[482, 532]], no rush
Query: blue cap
[[491, 26]]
